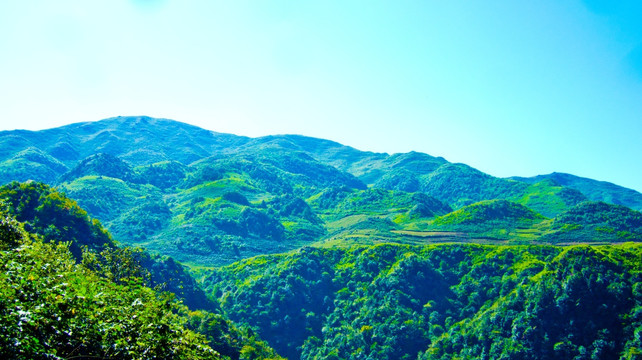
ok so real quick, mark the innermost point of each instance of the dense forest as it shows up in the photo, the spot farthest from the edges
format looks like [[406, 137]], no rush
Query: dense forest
[[441, 301], [68, 292], [142, 238]]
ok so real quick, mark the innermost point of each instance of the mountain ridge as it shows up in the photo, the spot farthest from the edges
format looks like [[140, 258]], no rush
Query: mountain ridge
[[211, 199], [186, 143]]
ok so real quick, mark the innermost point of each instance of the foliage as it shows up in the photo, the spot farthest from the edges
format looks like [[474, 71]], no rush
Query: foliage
[[598, 221], [118, 265], [163, 175], [53, 308], [227, 339], [57, 218], [11, 231], [442, 301], [580, 305]]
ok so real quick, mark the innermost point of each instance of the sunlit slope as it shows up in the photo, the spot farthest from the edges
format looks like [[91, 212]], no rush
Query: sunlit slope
[[400, 302], [593, 189], [210, 199]]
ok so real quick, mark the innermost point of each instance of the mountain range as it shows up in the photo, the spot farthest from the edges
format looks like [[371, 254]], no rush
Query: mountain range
[[208, 198]]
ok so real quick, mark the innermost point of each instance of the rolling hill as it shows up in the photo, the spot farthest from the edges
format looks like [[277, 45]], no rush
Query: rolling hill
[[593, 189]]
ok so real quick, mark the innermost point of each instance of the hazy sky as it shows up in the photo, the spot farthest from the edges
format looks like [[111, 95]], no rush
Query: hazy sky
[[510, 87]]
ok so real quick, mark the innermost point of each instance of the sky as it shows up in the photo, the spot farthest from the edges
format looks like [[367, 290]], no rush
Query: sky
[[512, 87]]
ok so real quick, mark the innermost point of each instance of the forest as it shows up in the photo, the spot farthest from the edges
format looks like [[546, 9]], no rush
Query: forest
[[68, 292], [442, 301]]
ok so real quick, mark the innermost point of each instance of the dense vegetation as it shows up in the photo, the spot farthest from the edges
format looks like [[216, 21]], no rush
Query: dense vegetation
[[441, 301], [52, 307], [223, 209], [56, 218]]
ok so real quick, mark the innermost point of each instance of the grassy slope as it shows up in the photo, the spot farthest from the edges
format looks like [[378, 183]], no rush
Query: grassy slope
[[593, 189]]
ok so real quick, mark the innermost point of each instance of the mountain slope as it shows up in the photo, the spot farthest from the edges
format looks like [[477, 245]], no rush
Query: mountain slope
[[218, 209], [436, 302], [53, 307], [51, 215], [598, 221], [100, 164], [593, 189], [212, 199], [47, 154]]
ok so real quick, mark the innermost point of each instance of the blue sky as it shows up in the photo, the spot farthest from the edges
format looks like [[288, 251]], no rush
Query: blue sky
[[509, 87]]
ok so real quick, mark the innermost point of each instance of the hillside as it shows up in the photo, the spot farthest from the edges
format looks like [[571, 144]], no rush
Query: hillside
[[206, 198], [45, 155], [593, 189], [440, 302], [56, 218], [387, 301], [488, 215], [205, 245], [599, 221], [56, 304]]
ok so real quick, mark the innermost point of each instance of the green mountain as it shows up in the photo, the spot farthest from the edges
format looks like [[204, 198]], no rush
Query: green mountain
[[100, 164], [548, 198], [489, 215], [206, 198], [135, 237], [46, 155], [599, 221], [440, 301], [593, 189], [454, 184], [27, 163]]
